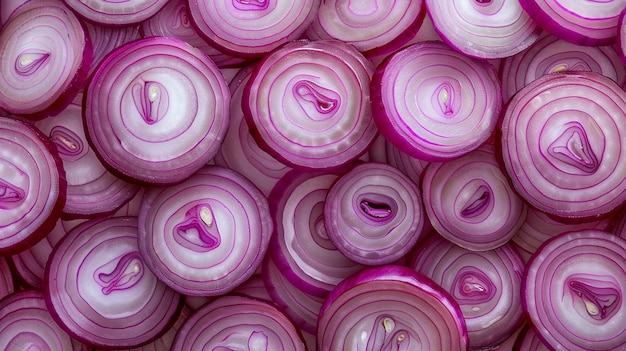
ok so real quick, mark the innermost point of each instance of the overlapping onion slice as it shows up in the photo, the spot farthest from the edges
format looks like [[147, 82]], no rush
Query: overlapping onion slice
[[156, 110], [485, 284], [390, 308], [251, 28], [32, 185], [486, 29], [469, 201], [573, 291], [234, 322], [98, 288], [116, 12], [307, 104], [434, 103], [372, 27], [592, 23], [563, 144], [207, 235], [45, 58], [374, 214]]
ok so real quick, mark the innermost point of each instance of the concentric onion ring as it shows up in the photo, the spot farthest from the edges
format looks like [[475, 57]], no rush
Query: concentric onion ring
[[116, 12]]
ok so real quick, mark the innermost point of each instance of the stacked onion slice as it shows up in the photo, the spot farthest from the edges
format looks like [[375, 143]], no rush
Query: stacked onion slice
[[156, 111], [390, 308], [469, 201], [486, 29], [45, 57], [116, 13], [562, 142], [250, 28], [374, 214], [434, 103], [98, 288], [573, 291], [32, 185], [207, 235], [307, 104], [485, 284], [234, 322]]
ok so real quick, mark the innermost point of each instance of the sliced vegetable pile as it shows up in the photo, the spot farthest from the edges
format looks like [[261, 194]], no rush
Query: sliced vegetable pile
[[253, 175]]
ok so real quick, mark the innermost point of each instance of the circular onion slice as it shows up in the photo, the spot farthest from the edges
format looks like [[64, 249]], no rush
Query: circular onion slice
[[550, 54], [300, 245], [251, 27], [390, 308], [486, 29], [573, 291], [469, 201], [26, 324], [91, 189], [374, 214], [307, 104], [45, 58], [563, 144], [207, 235], [116, 12], [485, 284], [156, 110], [238, 323], [591, 23], [99, 290], [32, 186], [373, 28], [240, 151], [434, 103], [106, 39], [174, 20]]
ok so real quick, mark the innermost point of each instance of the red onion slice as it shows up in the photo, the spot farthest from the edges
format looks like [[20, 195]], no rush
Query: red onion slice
[[373, 28], [26, 324], [469, 201], [207, 235], [100, 291], [591, 23], [239, 150], [433, 103], [486, 29], [485, 284], [307, 104], [6, 278], [563, 144], [106, 39], [116, 12], [300, 245], [251, 28], [232, 323], [550, 54], [45, 57], [91, 189], [32, 186], [574, 291], [156, 110], [390, 308], [374, 214]]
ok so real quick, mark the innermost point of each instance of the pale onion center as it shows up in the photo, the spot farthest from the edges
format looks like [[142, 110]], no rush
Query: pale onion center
[[251, 5], [572, 147], [151, 100], [198, 231], [126, 273], [477, 203], [316, 101], [598, 302], [29, 62], [444, 99], [10, 196]]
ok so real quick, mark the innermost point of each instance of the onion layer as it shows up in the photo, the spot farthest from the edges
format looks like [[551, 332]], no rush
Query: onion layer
[[307, 104], [390, 308], [374, 214], [99, 290], [486, 29], [205, 236], [434, 103], [485, 284], [563, 144], [32, 186], [45, 58], [469, 201], [238, 323], [156, 110], [574, 291], [116, 12]]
